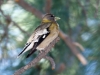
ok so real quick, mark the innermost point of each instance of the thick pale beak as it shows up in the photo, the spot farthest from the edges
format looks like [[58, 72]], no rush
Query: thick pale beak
[[57, 18]]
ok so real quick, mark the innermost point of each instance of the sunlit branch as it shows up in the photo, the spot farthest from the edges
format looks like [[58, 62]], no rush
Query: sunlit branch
[[79, 46], [73, 48]]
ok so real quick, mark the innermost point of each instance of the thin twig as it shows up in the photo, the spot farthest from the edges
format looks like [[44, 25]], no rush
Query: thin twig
[[79, 46], [21, 28], [6, 29], [9, 20], [37, 59], [51, 61]]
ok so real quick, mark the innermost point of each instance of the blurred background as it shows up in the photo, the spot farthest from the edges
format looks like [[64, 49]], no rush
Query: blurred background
[[77, 52]]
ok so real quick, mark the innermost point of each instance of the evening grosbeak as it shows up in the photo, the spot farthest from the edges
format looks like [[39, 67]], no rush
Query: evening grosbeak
[[43, 35]]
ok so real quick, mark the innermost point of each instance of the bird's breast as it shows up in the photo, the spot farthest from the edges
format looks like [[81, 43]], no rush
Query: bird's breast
[[54, 27]]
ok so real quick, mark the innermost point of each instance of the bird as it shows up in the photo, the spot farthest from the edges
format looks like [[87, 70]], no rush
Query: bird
[[43, 35]]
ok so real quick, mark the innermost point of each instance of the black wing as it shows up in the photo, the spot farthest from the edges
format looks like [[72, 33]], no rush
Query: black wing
[[24, 48], [36, 44], [41, 27]]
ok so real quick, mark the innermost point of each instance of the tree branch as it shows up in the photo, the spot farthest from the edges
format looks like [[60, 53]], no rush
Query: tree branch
[[51, 61], [28, 7], [73, 48], [37, 59], [48, 6]]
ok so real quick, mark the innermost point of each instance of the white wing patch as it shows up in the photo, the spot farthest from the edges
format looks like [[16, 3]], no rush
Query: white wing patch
[[44, 36], [41, 32], [36, 38]]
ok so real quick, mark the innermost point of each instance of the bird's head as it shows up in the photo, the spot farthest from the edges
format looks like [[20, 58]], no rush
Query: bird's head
[[49, 18]]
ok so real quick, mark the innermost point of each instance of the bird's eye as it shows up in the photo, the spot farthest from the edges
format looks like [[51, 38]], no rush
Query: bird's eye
[[52, 16]]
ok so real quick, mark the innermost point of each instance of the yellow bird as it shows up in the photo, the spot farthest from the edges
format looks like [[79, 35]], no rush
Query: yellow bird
[[43, 35]]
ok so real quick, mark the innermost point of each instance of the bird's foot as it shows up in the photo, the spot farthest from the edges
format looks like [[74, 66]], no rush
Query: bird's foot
[[41, 51]]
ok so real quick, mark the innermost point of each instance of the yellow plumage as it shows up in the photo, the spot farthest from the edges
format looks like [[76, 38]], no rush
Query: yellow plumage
[[54, 31]]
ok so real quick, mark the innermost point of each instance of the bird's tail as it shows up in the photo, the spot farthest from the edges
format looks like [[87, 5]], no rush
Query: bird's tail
[[33, 50], [23, 50]]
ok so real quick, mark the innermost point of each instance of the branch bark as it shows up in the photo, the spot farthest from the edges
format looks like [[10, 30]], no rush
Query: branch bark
[[51, 61], [28, 7], [48, 6], [37, 59]]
